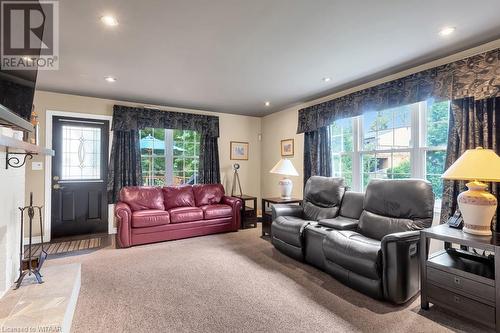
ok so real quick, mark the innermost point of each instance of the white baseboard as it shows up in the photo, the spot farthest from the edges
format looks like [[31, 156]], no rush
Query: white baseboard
[[34, 240]]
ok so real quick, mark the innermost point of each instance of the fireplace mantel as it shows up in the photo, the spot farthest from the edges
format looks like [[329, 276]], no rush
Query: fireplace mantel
[[9, 142]]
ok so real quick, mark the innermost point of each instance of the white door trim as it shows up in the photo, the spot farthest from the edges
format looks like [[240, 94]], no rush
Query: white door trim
[[48, 167]]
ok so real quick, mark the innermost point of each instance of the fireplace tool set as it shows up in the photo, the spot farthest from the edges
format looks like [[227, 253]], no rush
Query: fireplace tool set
[[30, 264]]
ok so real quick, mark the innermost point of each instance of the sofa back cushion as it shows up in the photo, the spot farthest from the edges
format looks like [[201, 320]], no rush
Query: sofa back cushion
[[352, 205], [178, 196], [142, 197], [396, 205], [322, 197], [208, 194]]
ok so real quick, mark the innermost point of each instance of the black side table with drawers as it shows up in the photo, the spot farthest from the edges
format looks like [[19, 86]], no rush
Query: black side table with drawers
[[458, 279]]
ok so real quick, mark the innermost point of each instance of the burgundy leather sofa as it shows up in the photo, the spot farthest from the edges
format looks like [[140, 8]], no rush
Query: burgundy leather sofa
[[154, 214]]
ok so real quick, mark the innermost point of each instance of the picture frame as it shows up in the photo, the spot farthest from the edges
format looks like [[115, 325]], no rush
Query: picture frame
[[287, 147], [239, 150]]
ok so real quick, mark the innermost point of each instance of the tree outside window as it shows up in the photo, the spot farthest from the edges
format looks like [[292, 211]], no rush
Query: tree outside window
[[169, 157], [403, 142]]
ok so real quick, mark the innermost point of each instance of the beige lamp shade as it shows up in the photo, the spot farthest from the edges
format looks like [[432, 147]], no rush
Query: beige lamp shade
[[475, 164], [284, 167]]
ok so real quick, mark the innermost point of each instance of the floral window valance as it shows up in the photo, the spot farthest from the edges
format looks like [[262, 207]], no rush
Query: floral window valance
[[477, 76], [127, 118]]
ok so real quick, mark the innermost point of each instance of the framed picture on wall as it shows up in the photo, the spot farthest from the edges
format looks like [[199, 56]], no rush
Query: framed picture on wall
[[239, 150], [287, 147]]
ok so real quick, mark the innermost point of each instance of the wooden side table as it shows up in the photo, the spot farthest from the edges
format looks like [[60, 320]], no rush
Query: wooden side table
[[267, 217], [248, 213], [460, 281]]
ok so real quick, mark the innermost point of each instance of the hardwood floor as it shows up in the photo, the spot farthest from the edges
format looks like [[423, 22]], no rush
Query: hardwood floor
[[71, 245]]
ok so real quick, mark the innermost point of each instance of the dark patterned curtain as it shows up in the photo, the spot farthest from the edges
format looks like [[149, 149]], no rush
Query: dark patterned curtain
[[473, 123], [476, 76], [124, 164], [208, 169], [317, 153]]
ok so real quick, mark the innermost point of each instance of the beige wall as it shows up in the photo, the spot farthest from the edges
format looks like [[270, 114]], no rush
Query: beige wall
[[283, 124], [276, 127], [232, 128]]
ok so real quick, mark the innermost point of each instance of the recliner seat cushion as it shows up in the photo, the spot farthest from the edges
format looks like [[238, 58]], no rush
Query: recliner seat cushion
[[149, 218], [216, 211], [142, 197], [178, 196], [185, 214], [289, 229], [322, 197], [354, 252], [208, 194], [340, 223]]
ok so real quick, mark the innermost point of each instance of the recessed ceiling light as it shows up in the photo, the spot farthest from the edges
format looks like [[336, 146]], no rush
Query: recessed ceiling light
[[446, 31], [109, 20], [327, 79], [267, 103], [110, 79]]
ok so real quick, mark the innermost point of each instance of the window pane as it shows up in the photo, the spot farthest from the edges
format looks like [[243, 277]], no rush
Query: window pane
[[342, 140], [401, 166], [438, 116], [434, 167], [387, 129], [81, 153], [185, 149]]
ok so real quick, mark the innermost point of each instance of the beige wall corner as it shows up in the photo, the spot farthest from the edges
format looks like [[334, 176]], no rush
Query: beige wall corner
[[276, 127]]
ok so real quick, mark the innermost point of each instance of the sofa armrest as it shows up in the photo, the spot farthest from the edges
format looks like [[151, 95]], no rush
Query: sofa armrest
[[236, 204], [401, 266], [286, 210], [123, 215]]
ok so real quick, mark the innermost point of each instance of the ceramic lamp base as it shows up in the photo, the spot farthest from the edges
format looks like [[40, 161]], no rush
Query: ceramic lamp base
[[477, 207], [286, 186]]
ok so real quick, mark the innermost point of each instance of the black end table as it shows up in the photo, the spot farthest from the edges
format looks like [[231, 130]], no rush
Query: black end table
[[267, 217], [248, 214], [458, 280]]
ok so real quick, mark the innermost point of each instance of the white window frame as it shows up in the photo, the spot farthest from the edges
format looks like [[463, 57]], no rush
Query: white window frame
[[418, 148], [169, 158]]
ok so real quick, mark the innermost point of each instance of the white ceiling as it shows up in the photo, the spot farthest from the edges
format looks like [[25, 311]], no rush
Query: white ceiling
[[233, 55]]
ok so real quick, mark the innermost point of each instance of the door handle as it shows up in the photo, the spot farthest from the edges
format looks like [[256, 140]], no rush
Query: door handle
[[57, 187]]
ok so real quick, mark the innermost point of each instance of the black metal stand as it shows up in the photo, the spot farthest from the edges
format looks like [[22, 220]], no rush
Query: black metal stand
[[30, 265], [236, 180]]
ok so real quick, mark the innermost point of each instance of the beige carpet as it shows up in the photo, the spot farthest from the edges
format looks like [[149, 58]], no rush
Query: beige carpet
[[235, 282]]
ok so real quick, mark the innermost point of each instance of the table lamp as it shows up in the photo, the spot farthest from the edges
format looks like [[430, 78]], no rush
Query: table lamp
[[285, 167], [476, 204]]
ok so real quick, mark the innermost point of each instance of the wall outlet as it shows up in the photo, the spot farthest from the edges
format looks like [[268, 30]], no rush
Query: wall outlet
[[36, 166]]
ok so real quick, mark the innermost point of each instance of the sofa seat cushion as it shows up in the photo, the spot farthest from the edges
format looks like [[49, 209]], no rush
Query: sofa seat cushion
[[185, 214], [354, 252], [149, 218], [340, 223], [211, 212], [289, 229]]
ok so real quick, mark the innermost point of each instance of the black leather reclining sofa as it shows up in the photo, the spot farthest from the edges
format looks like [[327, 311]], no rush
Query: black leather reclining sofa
[[368, 241]]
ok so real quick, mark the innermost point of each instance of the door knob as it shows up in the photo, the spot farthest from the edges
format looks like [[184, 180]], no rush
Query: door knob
[[56, 178], [57, 187]]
